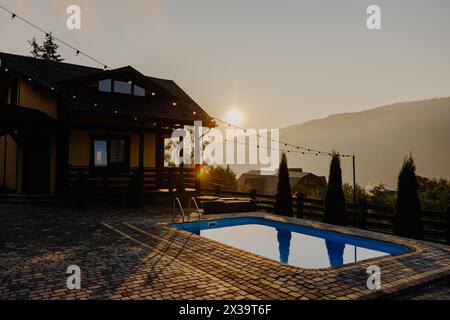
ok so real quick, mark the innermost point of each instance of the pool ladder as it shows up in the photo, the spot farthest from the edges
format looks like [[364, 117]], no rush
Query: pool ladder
[[183, 215]]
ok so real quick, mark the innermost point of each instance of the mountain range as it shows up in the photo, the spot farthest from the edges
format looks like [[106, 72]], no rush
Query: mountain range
[[380, 138]]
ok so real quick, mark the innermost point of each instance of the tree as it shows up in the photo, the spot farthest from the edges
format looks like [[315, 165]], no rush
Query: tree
[[283, 198], [407, 222], [434, 193], [48, 50], [381, 196], [348, 192], [335, 199], [36, 49]]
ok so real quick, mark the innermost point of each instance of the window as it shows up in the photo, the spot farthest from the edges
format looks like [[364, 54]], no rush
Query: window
[[139, 91], [100, 153], [118, 152], [111, 152], [104, 85], [122, 87]]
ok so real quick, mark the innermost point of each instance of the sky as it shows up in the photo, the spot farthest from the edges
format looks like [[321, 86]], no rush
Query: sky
[[278, 63]]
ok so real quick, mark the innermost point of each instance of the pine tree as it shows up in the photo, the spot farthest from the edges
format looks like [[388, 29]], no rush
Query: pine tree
[[407, 222], [335, 199], [48, 50], [36, 49], [283, 198]]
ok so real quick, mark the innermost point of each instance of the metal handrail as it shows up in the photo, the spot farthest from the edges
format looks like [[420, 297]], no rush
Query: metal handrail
[[181, 208], [196, 206]]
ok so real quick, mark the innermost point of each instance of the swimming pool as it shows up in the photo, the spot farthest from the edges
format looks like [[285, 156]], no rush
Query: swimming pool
[[292, 244]]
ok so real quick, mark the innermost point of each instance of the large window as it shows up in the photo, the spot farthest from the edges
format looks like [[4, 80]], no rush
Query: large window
[[139, 91], [111, 152], [123, 87], [105, 85]]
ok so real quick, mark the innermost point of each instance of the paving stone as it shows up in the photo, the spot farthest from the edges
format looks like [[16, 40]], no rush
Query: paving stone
[[133, 255]]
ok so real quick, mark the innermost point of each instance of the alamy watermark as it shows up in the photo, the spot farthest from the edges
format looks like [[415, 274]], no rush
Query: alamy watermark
[[374, 279], [73, 21], [374, 20], [237, 146], [74, 280]]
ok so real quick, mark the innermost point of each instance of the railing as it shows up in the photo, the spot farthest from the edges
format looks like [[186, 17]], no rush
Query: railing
[[368, 216], [176, 202], [116, 184], [192, 200]]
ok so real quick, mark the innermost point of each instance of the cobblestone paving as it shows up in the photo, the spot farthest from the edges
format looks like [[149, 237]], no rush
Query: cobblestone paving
[[132, 254]]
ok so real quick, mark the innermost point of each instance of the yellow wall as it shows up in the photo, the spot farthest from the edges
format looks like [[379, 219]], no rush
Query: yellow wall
[[80, 148], [36, 99], [11, 163], [150, 150]]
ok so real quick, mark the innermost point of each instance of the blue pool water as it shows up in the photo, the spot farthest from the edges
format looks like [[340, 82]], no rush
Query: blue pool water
[[292, 244]]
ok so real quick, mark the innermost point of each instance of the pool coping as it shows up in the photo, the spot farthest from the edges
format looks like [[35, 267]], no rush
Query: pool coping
[[415, 248]]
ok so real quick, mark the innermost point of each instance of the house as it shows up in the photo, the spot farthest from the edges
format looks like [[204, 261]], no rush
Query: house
[[303, 182], [59, 119]]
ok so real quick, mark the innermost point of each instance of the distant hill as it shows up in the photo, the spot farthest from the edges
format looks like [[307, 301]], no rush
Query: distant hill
[[380, 138]]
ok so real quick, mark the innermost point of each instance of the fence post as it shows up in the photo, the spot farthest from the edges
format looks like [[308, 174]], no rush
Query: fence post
[[197, 175], [300, 203], [217, 191], [448, 225], [253, 194], [170, 183], [362, 208]]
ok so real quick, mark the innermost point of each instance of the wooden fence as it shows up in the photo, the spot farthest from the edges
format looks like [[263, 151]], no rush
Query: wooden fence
[[366, 216], [115, 185]]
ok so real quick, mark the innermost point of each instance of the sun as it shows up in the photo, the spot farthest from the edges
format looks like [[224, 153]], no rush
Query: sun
[[234, 117]]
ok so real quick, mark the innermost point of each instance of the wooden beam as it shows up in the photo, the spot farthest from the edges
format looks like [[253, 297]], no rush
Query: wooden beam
[[141, 149]]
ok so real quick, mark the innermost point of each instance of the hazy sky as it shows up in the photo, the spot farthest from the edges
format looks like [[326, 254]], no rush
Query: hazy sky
[[277, 62]]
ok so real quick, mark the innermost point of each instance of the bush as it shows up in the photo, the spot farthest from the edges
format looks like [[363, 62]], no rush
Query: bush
[[283, 198], [407, 222], [335, 199], [136, 191]]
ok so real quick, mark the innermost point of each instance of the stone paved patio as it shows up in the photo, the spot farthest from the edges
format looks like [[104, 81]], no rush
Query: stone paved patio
[[133, 254]]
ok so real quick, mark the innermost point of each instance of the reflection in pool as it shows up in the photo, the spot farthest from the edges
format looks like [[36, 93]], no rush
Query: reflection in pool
[[292, 244]]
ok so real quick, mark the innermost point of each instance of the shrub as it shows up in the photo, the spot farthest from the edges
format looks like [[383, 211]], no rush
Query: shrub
[[283, 198], [407, 222], [335, 199]]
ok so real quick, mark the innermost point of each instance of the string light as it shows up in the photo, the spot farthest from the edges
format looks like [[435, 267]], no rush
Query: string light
[[105, 67], [47, 34], [306, 150]]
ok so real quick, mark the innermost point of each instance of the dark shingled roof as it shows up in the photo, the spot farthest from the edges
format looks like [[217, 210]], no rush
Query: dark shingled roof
[[67, 80]]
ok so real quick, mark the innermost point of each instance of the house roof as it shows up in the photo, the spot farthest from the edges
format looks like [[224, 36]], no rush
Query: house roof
[[268, 183], [68, 81]]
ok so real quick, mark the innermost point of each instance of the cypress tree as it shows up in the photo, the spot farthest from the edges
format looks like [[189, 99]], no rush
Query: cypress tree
[[283, 198], [335, 199], [407, 222]]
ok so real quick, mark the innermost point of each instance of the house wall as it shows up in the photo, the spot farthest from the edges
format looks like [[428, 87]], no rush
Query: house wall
[[80, 148], [10, 182], [36, 99], [53, 164]]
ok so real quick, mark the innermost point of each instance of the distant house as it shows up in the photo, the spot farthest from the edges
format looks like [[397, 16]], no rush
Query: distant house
[[57, 119], [303, 182]]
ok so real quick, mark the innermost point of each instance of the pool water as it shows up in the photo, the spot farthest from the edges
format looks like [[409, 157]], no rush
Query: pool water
[[292, 244]]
